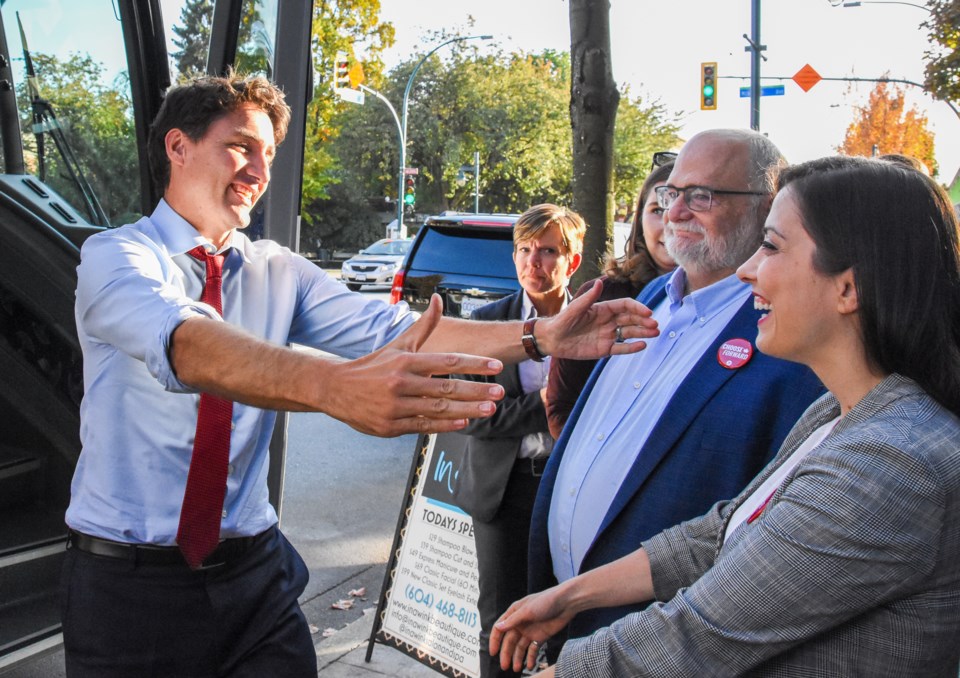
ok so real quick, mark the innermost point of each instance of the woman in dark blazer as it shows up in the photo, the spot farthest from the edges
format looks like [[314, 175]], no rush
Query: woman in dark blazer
[[841, 557], [505, 455]]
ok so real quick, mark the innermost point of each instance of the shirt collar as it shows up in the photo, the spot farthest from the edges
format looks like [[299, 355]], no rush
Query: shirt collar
[[709, 300], [179, 237], [530, 311]]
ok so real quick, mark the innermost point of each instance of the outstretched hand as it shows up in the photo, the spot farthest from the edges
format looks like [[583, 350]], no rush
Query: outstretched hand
[[587, 329], [525, 625], [392, 391]]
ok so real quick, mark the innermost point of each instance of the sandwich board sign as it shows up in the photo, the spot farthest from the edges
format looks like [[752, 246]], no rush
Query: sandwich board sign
[[428, 601]]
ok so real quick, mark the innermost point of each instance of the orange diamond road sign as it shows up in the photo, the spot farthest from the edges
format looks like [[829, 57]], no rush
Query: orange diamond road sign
[[806, 77]]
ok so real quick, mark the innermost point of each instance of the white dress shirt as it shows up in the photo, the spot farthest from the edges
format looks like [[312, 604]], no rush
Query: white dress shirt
[[533, 377]]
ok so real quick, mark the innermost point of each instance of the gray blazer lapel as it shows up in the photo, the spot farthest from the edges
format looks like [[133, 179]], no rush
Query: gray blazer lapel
[[819, 413]]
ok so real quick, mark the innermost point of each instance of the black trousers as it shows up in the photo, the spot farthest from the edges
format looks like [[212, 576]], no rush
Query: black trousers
[[502, 560], [240, 620]]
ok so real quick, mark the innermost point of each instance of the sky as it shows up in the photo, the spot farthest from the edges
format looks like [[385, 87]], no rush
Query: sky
[[657, 48]]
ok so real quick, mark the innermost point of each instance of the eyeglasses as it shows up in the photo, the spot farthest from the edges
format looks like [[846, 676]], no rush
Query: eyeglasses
[[662, 158], [698, 198]]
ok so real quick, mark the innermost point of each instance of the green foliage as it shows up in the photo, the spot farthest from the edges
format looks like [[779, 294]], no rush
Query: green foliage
[[943, 57], [97, 121], [350, 26], [642, 130], [511, 108], [193, 38]]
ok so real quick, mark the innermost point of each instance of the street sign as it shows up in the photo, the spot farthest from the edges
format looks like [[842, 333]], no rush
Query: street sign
[[806, 77], [769, 91], [351, 95], [411, 170]]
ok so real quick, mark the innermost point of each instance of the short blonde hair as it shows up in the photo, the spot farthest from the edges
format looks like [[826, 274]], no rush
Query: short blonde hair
[[539, 218]]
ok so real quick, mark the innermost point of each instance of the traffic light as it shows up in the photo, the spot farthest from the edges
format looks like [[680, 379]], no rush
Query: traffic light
[[341, 72], [708, 86], [409, 193]]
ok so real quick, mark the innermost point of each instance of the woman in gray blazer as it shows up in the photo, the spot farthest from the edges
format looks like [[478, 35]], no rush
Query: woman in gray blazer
[[842, 558]]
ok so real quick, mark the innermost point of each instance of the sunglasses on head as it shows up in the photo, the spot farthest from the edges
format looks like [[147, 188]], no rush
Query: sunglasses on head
[[662, 158]]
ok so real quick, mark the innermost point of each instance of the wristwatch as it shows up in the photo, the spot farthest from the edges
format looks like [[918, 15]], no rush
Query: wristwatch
[[530, 342]]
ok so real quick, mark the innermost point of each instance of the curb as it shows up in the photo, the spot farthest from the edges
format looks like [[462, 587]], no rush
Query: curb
[[345, 640]]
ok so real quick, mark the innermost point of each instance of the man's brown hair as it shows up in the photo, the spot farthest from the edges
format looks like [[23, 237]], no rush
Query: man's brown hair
[[194, 106]]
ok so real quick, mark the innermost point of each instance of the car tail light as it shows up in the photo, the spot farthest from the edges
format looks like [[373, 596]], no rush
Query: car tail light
[[396, 290]]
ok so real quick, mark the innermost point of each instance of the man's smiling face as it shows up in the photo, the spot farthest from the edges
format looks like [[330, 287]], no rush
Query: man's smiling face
[[216, 180]]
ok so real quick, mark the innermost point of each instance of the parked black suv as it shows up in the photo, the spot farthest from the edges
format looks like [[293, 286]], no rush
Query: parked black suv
[[465, 258]]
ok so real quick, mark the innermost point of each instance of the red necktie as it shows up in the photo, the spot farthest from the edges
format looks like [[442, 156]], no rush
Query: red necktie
[[200, 515]]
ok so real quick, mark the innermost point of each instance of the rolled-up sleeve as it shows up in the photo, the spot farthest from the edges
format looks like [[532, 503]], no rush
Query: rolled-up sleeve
[[130, 297]]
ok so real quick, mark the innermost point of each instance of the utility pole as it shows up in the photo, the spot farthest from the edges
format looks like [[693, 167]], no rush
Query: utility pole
[[756, 48]]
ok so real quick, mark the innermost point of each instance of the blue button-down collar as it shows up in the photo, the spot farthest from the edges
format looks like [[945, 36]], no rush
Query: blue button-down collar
[[707, 301], [177, 236]]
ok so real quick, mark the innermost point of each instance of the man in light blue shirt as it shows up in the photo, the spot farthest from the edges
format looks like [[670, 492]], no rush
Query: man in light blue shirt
[[659, 436], [132, 606]]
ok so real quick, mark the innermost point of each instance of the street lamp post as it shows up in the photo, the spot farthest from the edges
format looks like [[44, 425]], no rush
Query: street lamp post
[[857, 3], [396, 119], [403, 124]]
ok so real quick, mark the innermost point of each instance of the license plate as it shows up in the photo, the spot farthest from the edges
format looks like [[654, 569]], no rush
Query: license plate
[[361, 277], [470, 304]]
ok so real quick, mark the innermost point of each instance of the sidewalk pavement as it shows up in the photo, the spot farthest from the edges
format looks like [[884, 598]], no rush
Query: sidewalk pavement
[[342, 655]]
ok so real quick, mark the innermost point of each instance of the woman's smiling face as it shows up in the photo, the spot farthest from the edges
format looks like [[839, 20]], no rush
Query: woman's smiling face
[[801, 303]]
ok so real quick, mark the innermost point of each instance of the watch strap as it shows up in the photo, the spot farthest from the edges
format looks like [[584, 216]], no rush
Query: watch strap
[[530, 342]]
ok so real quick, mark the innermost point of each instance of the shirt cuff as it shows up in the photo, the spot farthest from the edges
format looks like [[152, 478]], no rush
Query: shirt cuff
[[158, 358]]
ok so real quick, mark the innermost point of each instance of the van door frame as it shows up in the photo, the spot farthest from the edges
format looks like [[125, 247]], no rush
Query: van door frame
[[293, 73]]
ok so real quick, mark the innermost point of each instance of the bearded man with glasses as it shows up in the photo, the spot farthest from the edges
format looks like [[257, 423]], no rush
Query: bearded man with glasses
[[659, 436]]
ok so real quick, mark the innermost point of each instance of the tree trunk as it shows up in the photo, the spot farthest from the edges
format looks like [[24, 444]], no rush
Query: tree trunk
[[593, 111]]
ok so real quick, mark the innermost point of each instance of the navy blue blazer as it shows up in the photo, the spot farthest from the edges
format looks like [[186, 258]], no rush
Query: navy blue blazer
[[719, 430]]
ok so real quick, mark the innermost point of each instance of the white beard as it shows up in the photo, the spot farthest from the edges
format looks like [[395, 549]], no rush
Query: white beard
[[713, 253]]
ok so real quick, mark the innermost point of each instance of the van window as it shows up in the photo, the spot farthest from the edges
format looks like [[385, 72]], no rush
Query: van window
[[470, 251], [73, 94]]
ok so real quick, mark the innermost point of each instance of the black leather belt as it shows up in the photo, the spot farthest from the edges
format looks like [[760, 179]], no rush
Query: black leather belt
[[531, 466], [149, 554]]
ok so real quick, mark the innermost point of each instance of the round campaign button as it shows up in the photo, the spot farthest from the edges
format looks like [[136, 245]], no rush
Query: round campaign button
[[734, 353]]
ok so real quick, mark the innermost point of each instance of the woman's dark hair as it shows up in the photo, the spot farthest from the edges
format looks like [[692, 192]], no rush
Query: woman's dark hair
[[199, 103], [897, 231], [637, 265]]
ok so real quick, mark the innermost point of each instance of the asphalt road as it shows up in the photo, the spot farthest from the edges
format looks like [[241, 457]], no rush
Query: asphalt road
[[342, 496]]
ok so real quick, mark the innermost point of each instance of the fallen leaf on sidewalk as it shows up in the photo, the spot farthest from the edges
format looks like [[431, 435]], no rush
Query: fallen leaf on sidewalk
[[314, 629], [328, 632], [344, 604], [358, 593]]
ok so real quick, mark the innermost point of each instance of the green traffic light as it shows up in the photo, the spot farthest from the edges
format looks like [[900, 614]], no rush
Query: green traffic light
[[708, 90], [408, 199]]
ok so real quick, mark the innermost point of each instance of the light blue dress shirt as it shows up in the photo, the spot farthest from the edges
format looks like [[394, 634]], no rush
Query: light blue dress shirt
[[136, 284], [622, 409]]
